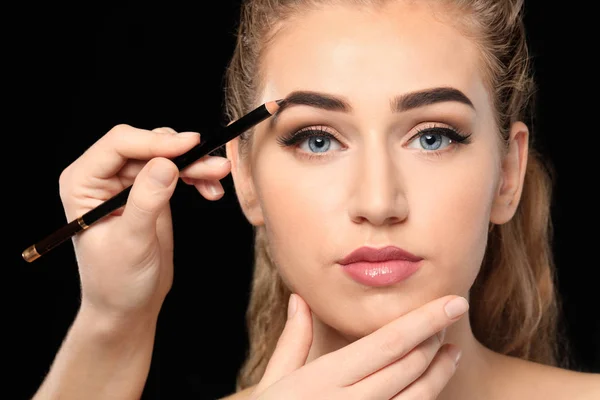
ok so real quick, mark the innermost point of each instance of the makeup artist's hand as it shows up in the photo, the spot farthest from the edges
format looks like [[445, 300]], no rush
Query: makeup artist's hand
[[404, 359], [126, 259]]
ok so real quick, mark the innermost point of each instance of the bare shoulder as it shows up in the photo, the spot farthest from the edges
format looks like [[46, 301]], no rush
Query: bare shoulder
[[243, 394], [575, 385], [540, 381]]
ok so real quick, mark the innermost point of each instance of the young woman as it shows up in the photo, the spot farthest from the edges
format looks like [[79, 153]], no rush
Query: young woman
[[400, 209]]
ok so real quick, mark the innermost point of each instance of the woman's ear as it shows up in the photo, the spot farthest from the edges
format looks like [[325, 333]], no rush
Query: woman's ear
[[243, 183], [512, 175]]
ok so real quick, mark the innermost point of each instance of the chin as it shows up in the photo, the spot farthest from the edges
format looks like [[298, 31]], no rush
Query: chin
[[355, 327], [365, 314]]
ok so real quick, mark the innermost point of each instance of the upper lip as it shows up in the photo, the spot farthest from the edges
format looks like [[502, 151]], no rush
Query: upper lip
[[370, 254]]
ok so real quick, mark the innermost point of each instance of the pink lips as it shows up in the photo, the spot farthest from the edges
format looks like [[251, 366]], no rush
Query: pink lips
[[380, 267]]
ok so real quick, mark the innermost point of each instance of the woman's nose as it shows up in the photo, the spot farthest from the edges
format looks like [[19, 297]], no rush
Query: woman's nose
[[378, 195]]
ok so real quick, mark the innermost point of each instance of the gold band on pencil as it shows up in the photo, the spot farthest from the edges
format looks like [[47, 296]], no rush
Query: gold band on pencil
[[30, 254], [82, 223]]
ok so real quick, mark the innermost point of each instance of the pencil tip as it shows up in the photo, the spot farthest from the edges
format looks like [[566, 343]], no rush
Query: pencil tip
[[273, 106]]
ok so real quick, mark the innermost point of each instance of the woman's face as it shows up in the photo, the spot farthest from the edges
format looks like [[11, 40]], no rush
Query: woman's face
[[384, 166]]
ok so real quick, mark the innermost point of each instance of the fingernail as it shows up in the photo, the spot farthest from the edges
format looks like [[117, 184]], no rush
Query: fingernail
[[216, 161], [161, 175], [442, 335], [292, 305], [214, 189], [165, 129], [456, 307], [455, 353], [185, 135]]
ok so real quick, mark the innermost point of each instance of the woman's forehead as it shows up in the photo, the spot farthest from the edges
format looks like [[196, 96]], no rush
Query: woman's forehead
[[357, 52]]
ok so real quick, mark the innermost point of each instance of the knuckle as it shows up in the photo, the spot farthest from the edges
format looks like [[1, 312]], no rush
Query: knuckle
[[432, 320], [421, 360], [164, 129], [393, 347], [63, 182], [64, 176], [119, 131], [417, 361], [119, 135], [143, 205]]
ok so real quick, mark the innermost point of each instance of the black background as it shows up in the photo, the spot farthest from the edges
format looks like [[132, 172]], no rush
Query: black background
[[76, 71]]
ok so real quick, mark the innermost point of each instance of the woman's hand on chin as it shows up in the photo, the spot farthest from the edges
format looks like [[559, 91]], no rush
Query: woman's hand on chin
[[404, 359]]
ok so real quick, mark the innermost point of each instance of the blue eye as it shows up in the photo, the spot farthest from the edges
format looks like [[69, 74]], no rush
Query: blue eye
[[317, 140], [433, 142], [313, 140], [317, 144], [433, 139]]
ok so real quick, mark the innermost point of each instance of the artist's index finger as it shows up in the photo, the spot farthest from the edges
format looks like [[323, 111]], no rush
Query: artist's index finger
[[123, 142]]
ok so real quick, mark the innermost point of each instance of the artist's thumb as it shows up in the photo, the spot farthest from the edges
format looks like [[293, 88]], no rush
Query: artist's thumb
[[150, 194], [293, 345]]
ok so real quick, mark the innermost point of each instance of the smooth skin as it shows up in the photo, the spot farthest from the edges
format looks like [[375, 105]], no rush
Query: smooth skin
[[126, 260], [375, 184], [126, 268], [107, 351], [403, 360]]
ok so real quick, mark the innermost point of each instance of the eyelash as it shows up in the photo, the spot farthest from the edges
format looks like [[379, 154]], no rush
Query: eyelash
[[295, 138]]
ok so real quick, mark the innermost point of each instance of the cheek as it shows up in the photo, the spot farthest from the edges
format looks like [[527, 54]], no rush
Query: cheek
[[305, 209], [453, 213], [299, 206]]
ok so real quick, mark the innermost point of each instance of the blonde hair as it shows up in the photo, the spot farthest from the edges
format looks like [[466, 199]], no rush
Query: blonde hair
[[514, 303]]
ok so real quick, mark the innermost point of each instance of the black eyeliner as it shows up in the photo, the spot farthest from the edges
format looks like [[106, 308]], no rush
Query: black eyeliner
[[302, 134], [451, 133]]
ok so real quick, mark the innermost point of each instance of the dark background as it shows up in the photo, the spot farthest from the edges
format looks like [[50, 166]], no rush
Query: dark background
[[76, 71]]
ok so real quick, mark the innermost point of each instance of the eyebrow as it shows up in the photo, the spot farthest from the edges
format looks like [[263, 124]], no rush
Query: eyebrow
[[427, 97], [404, 102], [315, 99]]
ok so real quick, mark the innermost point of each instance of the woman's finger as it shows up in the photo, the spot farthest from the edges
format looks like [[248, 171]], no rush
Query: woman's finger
[[390, 380], [293, 345], [437, 376], [394, 340]]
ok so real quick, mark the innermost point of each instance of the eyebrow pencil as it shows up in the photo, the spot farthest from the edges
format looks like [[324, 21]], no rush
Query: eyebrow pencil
[[207, 144]]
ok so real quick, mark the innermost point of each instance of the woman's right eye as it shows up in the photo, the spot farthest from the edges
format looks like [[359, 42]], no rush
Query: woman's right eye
[[312, 140]]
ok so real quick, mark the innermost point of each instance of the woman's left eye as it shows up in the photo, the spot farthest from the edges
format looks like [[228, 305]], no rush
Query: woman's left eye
[[436, 138]]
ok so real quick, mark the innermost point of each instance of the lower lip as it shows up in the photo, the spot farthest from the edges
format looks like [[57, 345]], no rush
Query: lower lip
[[383, 273]]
